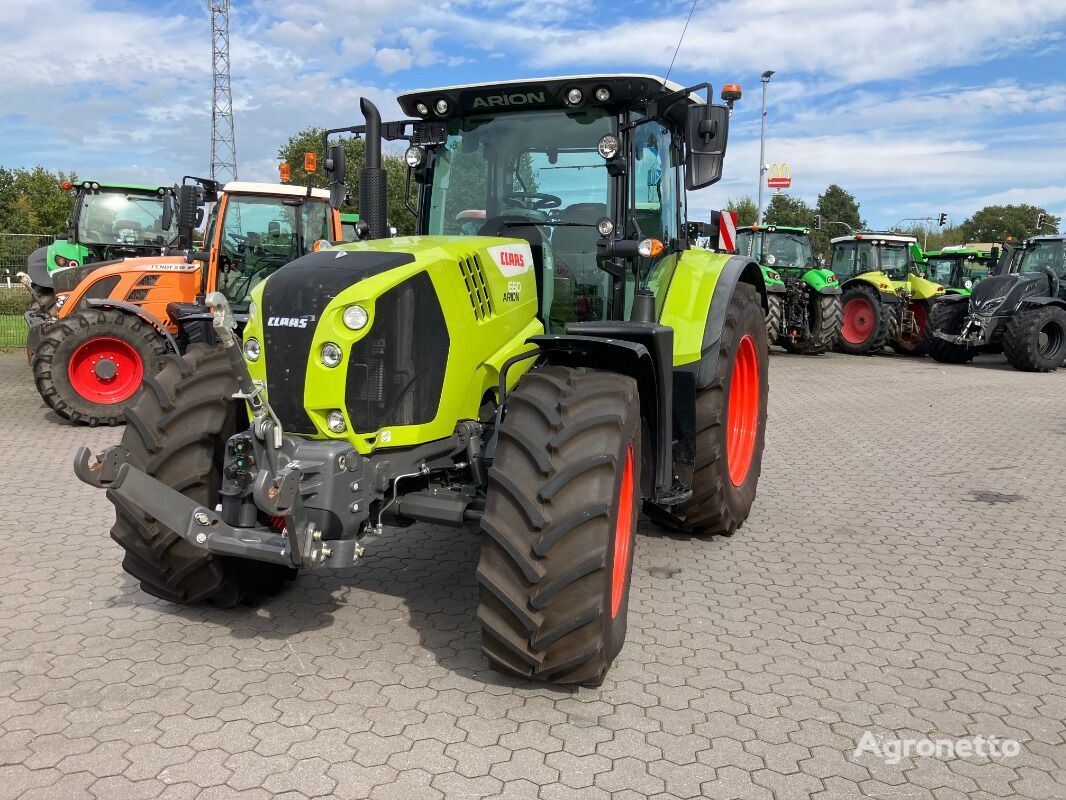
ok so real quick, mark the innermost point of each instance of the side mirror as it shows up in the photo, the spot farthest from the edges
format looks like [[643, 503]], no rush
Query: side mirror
[[706, 134], [335, 167], [189, 213], [168, 211]]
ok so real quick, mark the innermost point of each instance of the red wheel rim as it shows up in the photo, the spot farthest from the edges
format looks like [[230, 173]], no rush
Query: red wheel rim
[[106, 370], [858, 320], [743, 422], [623, 534], [920, 321]]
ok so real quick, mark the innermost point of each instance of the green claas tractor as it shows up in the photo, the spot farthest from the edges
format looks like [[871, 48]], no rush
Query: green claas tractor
[[885, 299], [958, 268], [538, 380], [1021, 313], [110, 221], [804, 317]]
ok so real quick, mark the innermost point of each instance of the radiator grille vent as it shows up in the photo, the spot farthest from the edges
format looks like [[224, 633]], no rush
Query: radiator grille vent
[[474, 278]]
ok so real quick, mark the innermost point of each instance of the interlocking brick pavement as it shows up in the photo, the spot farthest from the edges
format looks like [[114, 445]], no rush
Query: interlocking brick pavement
[[903, 572]]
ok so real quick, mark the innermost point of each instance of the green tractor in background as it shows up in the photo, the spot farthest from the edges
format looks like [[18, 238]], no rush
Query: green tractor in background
[[804, 315], [110, 221], [885, 299], [348, 228], [958, 268], [424, 378]]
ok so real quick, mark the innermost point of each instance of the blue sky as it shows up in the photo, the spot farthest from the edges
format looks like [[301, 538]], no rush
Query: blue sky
[[915, 107]]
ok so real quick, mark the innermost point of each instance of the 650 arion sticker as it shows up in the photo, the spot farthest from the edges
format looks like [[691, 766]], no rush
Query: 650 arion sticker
[[512, 259]]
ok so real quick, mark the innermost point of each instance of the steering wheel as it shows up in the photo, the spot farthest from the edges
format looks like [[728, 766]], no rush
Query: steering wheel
[[532, 201]]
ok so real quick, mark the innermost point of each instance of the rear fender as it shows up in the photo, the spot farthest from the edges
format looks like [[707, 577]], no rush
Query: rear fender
[[772, 280], [72, 251], [822, 281], [641, 350]]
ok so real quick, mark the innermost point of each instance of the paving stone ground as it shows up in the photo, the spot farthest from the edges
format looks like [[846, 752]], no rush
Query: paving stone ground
[[903, 573]]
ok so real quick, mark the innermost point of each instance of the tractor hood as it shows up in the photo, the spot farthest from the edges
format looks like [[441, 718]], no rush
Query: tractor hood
[[1001, 293], [373, 330]]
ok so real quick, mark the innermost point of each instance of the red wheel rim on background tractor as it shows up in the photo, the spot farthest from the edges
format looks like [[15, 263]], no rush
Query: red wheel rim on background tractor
[[623, 534], [106, 370], [743, 423], [858, 320], [921, 321]]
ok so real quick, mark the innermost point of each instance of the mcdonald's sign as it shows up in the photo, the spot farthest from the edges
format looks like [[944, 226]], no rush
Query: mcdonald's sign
[[780, 176]]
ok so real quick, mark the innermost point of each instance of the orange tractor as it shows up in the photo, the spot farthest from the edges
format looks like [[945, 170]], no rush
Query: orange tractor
[[115, 322]]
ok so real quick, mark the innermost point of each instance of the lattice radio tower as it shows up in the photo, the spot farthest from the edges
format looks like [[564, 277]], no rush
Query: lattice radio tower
[[223, 146]]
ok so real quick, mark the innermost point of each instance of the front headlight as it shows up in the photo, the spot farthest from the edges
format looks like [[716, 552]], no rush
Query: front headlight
[[355, 317], [252, 349], [331, 354], [251, 309]]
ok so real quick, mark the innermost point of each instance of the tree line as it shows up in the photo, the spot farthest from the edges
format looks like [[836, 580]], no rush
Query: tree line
[[990, 224]]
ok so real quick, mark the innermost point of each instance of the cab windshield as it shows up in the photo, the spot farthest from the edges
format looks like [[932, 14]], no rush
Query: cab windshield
[[1042, 255], [261, 234], [956, 270], [533, 175], [122, 217], [895, 260], [782, 250]]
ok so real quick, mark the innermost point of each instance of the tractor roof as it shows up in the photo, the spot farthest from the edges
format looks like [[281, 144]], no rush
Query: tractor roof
[[782, 228], [626, 91], [977, 249], [881, 236], [129, 187], [1053, 237], [285, 189]]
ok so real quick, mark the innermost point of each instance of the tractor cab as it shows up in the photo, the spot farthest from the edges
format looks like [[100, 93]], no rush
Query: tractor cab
[[573, 166], [1046, 254], [782, 247], [110, 221], [961, 267], [893, 254]]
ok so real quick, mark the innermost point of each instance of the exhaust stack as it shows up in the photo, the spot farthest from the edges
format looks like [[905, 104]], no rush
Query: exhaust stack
[[373, 189]]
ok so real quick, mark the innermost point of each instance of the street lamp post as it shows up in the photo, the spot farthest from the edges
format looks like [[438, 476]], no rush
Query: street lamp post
[[762, 142]]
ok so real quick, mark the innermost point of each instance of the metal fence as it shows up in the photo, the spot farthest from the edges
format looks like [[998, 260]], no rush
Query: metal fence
[[15, 248]]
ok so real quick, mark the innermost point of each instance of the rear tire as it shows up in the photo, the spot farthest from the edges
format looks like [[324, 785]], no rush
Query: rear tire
[[177, 431], [866, 319], [559, 526], [64, 371], [1035, 340], [730, 412], [914, 344], [824, 322], [947, 318], [774, 316]]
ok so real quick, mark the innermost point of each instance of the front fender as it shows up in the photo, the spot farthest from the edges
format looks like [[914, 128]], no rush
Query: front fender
[[822, 281], [1043, 301], [924, 289], [696, 302], [37, 267]]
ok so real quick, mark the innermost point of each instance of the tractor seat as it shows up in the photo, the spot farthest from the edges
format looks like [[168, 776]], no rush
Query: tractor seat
[[575, 247]]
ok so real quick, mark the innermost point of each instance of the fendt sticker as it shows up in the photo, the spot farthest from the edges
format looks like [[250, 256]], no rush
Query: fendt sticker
[[290, 322], [512, 259], [171, 267]]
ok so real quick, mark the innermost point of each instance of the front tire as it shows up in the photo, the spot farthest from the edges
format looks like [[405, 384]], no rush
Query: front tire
[[825, 315], [177, 432], [559, 526], [730, 429], [1035, 340], [866, 321], [89, 366], [947, 318]]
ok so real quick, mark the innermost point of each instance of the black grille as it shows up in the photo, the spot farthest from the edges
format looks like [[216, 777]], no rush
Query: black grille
[[474, 279], [396, 371], [151, 279], [301, 290], [101, 290]]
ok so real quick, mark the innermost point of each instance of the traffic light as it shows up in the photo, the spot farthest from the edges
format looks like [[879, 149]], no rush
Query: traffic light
[[817, 222], [1039, 222], [942, 220]]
